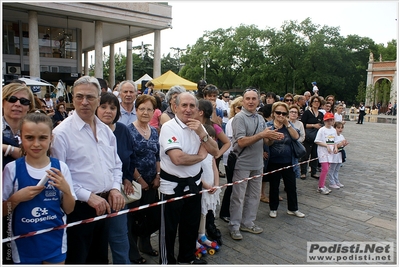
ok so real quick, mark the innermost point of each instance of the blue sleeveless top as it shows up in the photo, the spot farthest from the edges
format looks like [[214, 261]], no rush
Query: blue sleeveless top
[[42, 212]]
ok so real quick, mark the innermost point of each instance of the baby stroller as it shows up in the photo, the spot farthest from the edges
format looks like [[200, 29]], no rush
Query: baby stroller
[[389, 112]]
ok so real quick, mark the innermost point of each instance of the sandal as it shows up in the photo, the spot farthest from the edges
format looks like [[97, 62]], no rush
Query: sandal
[[151, 253], [315, 176], [303, 176], [139, 261], [264, 199]]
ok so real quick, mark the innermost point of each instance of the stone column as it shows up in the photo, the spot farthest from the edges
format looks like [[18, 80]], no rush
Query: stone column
[[157, 54], [111, 79], [98, 47], [34, 56], [129, 60], [86, 63]]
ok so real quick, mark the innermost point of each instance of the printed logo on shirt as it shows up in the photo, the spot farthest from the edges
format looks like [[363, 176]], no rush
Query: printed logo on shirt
[[172, 140], [49, 191], [39, 215], [330, 139]]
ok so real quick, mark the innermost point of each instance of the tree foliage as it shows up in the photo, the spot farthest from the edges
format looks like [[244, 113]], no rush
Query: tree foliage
[[281, 60]]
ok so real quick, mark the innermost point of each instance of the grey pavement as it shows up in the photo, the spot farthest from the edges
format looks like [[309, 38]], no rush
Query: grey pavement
[[364, 210]]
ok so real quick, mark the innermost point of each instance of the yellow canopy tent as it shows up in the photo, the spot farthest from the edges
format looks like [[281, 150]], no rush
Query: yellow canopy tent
[[169, 79]]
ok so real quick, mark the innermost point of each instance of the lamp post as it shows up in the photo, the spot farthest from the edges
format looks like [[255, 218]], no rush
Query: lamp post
[[204, 65], [178, 55]]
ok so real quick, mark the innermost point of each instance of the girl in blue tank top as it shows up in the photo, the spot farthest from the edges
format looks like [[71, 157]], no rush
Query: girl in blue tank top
[[31, 207]]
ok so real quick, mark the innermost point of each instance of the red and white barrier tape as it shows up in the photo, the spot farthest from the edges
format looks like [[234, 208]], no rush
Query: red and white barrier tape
[[141, 207]]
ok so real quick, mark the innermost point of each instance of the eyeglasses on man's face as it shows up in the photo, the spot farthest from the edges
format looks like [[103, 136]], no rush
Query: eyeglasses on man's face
[[22, 100], [89, 98], [289, 100]]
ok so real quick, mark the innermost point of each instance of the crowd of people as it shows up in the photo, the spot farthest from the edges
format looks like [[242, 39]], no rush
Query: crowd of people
[[171, 145]]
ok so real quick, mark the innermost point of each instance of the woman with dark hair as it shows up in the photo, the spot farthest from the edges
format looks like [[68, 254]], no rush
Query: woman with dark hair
[[235, 107], [205, 110], [147, 172], [109, 112], [312, 120], [59, 115]]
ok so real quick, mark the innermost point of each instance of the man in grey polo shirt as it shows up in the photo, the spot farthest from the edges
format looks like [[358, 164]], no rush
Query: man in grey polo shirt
[[249, 133]]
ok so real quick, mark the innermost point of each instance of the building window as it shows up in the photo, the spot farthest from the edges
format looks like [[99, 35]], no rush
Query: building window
[[11, 38], [53, 42]]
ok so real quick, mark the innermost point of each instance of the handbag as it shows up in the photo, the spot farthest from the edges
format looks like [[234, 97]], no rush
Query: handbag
[[132, 197], [298, 149], [232, 158], [310, 135]]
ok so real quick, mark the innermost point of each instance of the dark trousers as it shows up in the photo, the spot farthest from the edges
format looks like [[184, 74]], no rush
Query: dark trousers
[[88, 242], [311, 150], [183, 214], [361, 116], [142, 223], [225, 207], [289, 179]]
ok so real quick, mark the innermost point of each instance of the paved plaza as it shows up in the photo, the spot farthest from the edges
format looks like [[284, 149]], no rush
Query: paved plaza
[[364, 210]]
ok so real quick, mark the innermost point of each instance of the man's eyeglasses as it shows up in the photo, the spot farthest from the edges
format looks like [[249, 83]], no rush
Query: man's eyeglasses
[[88, 97], [289, 100], [281, 113], [22, 100], [226, 96]]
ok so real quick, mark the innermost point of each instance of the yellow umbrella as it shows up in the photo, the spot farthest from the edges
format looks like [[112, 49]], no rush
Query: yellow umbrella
[[169, 79]]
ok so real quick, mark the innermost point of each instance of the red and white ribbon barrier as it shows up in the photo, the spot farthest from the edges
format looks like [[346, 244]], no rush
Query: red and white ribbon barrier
[[141, 207]]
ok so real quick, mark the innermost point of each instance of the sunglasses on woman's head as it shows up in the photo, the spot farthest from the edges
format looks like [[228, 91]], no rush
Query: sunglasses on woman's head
[[23, 101]]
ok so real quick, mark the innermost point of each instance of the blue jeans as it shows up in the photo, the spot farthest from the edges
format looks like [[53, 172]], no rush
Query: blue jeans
[[118, 239]]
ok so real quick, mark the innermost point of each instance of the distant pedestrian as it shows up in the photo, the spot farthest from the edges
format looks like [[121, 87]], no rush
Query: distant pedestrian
[[362, 112]]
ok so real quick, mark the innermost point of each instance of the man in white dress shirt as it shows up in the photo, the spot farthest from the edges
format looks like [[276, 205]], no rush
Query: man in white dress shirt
[[88, 147]]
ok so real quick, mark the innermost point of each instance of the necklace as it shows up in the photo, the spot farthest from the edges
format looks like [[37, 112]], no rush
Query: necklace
[[145, 131]]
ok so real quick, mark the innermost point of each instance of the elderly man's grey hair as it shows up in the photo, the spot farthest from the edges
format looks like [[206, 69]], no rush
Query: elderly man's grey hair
[[88, 80], [127, 81], [177, 89]]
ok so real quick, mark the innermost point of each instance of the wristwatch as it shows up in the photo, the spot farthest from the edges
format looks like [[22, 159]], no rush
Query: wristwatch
[[205, 139], [289, 126]]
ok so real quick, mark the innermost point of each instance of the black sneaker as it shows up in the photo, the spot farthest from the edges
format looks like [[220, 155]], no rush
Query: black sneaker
[[195, 261]]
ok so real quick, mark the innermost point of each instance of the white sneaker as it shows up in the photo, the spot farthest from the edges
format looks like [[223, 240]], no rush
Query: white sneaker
[[297, 213], [328, 189], [340, 185], [273, 213], [323, 191], [334, 186]]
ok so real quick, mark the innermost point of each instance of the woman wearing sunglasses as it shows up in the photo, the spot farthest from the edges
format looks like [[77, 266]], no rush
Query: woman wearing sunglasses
[[280, 157], [17, 101]]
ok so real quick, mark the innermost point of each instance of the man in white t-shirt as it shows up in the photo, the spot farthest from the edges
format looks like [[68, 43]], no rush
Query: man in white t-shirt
[[184, 143]]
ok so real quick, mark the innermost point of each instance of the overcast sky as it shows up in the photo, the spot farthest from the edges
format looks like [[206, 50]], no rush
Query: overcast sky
[[376, 20]]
